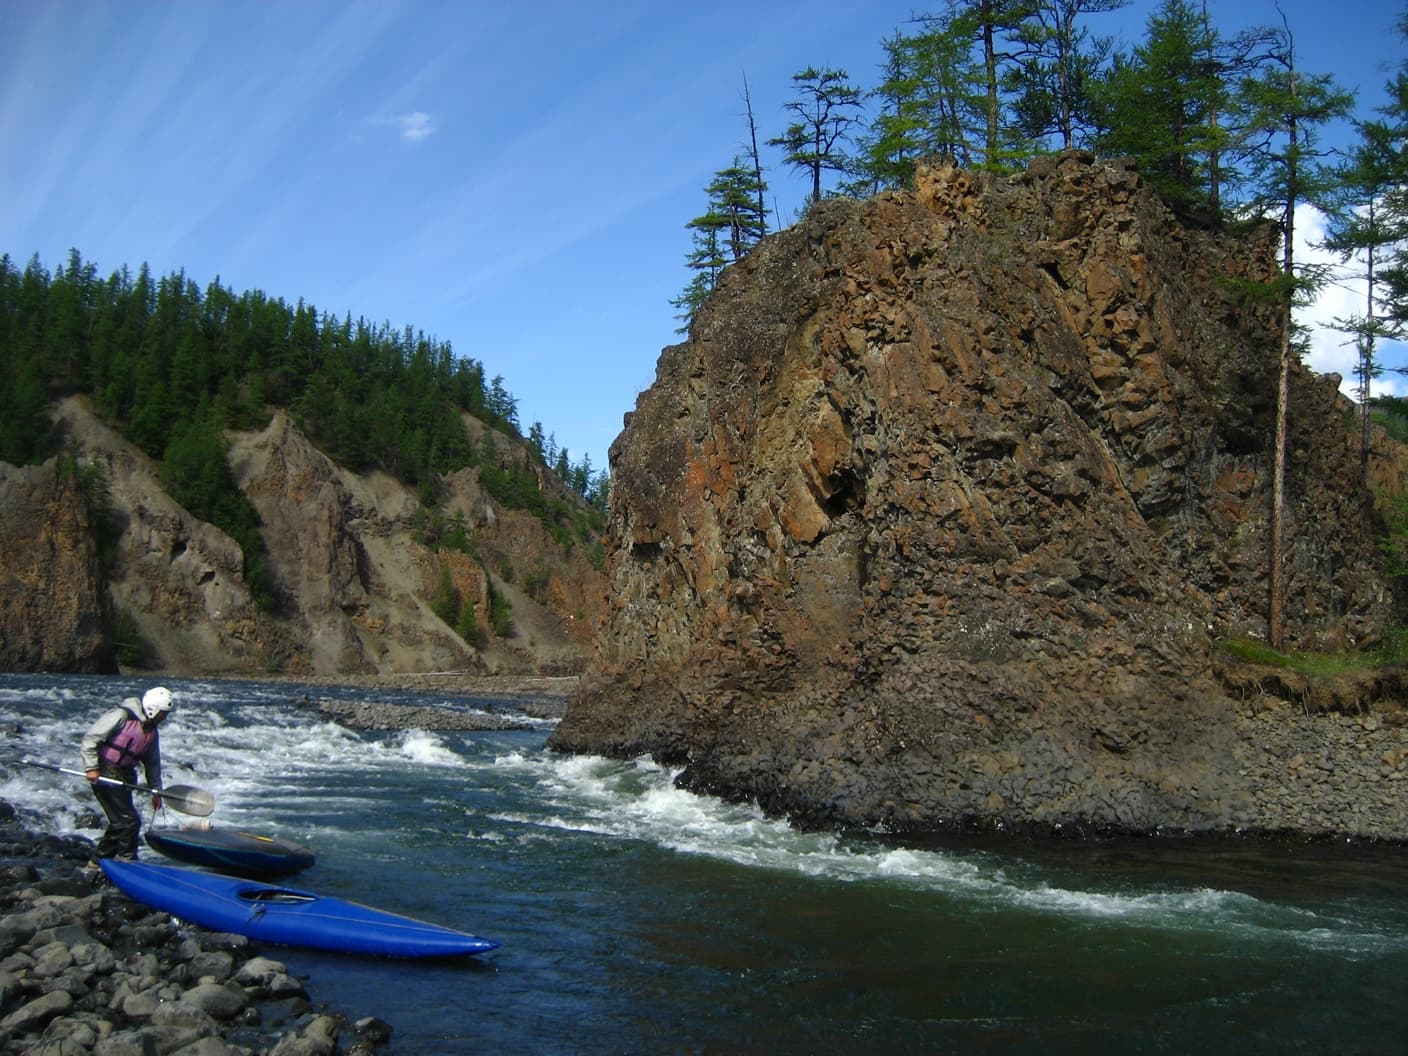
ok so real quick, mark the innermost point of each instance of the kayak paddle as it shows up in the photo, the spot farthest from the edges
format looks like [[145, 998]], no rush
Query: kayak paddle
[[185, 799]]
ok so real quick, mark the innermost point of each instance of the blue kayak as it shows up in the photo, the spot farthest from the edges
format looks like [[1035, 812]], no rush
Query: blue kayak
[[286, 916], [230, 851]]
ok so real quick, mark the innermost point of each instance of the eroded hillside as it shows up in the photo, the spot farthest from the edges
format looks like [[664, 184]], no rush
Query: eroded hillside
[[357, 584]]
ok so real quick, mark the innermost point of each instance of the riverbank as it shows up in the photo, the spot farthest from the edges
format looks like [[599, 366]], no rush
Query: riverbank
[[84, 969]]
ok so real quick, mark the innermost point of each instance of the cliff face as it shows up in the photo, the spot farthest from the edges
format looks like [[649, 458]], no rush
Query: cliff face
[[356, 590], [52, 618], [934, 516]]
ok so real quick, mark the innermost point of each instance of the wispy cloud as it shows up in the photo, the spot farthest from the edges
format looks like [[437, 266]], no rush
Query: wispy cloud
[[413, 126]]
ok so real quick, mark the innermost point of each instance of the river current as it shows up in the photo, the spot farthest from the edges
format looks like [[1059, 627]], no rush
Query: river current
[[636, 918]]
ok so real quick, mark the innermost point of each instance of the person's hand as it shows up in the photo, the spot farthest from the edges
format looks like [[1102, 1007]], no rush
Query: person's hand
[[92, 776], [156, 802]]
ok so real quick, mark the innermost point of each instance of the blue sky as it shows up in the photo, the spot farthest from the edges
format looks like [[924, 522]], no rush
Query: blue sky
[[513, 179]]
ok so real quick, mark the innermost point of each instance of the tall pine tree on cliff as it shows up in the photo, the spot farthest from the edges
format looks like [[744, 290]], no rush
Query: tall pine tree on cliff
[[994, 24], [931, 103], [1395, 205], [1157, 105]]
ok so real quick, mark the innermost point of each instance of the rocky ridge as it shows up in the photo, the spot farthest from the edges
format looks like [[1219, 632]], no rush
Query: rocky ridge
[[936, 517]]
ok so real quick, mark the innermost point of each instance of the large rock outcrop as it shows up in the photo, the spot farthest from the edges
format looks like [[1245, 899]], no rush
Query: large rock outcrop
[[935, 516]]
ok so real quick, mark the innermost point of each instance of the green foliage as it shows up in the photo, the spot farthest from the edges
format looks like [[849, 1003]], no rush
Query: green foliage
[[431, 528], [1159, 104], [826, 110], [94, 486], [931, 103], [1394, 544], [1058, 70], [1253, 651], [467, 624], [1391, 413], [1395, 201], [536, 582], [732, 224], [1393, 649], [991, 83], [26, 435]]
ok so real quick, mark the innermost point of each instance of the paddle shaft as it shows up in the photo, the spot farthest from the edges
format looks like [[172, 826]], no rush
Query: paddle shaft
[[187, 800]]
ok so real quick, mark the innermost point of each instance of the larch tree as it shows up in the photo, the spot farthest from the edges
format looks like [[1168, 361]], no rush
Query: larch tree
[[827, 110], [1060, 63], [1285, 109], [730, 226], [1363, 230], [1157, 104], [1395, 204], [931, 102], [994, 25]]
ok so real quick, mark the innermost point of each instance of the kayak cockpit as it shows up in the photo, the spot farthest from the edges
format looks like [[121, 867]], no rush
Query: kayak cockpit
[[277, 895]]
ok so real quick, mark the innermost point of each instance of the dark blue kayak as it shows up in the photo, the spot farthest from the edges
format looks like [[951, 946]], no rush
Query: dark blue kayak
[[286, 916], [229, 851]]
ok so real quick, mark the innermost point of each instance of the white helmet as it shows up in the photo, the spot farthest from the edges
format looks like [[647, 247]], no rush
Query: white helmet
[[156, 701]]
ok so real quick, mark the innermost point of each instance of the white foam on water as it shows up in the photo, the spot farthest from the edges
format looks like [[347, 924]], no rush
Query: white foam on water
[[638, 801], [426, 748]]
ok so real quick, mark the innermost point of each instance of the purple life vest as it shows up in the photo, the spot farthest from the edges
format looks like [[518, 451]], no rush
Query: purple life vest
[[128, 745]]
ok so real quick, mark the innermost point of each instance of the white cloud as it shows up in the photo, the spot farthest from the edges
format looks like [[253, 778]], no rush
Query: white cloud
[[414, 125], [1343, 297]]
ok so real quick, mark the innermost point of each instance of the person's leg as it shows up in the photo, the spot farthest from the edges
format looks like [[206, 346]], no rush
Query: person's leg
[[120, 839]]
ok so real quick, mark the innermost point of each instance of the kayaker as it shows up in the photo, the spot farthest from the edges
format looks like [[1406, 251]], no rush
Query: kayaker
[[112, 747]]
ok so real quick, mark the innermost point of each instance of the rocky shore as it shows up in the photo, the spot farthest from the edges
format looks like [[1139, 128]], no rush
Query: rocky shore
[[85, 970], [387, 715], [1329, 775]]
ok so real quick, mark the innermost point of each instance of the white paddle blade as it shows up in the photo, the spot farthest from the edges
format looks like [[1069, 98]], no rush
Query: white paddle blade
[[196, 802]]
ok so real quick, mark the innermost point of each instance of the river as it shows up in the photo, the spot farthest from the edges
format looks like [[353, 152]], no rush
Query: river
[[636, 918]]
